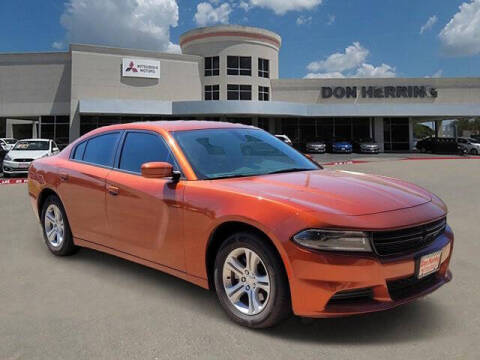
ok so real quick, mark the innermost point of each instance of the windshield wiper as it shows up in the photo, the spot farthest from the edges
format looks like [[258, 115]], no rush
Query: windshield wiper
[[231, 176], [288, 170]]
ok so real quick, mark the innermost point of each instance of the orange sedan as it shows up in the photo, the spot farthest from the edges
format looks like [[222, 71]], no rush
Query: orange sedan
[[230, 207]]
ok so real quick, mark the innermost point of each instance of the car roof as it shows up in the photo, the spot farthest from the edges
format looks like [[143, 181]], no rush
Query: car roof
[[177, 125], [35, 140]]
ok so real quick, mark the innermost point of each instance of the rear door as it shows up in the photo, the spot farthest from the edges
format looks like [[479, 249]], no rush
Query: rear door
[[82, 186], [145, 216]]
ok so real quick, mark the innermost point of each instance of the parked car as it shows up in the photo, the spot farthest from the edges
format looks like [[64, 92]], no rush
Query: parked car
[[317, 146], [438, 145], [471, 146], [270, 234], [340, 146], [285, 139], [7, 143], [18, 160], [367, 145]]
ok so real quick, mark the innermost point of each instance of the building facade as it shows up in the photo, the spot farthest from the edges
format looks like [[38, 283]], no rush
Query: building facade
[[225, 73]]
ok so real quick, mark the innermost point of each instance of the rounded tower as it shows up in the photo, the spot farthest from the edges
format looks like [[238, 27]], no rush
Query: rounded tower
[[238, 61]]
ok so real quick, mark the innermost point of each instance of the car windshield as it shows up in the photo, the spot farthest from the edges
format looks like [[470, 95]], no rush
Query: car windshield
[[226, 153], [10, 141], [31, 145]]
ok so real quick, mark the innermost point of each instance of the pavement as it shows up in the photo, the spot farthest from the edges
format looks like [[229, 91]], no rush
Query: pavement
[[94, 305]]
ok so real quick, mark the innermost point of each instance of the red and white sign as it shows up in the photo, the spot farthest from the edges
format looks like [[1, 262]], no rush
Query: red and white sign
[[12, 181], [429, 264], [141, 68]]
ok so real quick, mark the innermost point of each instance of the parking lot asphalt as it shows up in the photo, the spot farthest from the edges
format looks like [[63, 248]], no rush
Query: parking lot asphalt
[[96, 306]]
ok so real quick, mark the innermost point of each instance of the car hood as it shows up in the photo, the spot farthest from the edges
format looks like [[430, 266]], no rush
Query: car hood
[[368, 143], [26, 154], [336, 192], [341, 143]]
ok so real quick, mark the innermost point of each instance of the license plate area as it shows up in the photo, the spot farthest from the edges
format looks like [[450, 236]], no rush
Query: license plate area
[[428, 264]]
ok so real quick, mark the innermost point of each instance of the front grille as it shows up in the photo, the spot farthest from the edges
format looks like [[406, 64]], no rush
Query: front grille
[[351, 296], [404, 288], [408, 240], [23, 160]]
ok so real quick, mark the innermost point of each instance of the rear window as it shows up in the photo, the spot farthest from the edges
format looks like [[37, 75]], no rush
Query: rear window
[[100, 150], [31, 145], [79, 151]]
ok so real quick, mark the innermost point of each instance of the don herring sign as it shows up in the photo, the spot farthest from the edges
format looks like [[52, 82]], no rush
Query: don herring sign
[[141, 68], [375, 92]]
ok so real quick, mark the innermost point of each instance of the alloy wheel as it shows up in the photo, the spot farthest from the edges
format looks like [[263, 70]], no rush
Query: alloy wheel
[[246, 281], [54, 226]]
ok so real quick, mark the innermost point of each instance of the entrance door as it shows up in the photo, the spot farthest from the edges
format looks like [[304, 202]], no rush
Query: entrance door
[[396, 134]]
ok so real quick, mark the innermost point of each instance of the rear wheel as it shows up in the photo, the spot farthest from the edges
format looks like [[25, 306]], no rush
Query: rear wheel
[[56, 229], [250, 282], [474, 152]]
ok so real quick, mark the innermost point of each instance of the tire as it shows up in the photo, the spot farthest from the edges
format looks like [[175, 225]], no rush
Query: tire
[[272, 306], [474, 152], [53, 218], [423, 150]]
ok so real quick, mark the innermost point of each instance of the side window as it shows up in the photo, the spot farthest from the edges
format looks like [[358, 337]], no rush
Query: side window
[[79, 150], [140, 148], [101, 149]]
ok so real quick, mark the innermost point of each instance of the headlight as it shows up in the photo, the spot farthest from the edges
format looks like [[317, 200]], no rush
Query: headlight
[[333, 240], [8, 158]]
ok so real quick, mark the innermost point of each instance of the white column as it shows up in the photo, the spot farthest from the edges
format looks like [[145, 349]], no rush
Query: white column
[[378, 127], [410, 134]]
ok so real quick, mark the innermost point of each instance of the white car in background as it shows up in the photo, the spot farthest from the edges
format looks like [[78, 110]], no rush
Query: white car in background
[[18, 160], [7, 143], [472, 146]]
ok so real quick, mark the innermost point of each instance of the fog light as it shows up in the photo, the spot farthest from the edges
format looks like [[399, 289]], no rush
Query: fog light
[[445, 253]]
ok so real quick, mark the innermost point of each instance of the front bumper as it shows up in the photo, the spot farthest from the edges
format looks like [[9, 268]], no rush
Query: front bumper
[[316, 149], [319, 277], [370, 150], [342, 150], [14, 167]]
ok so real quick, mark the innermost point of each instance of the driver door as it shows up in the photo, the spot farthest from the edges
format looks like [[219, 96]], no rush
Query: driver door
[[144, 215]]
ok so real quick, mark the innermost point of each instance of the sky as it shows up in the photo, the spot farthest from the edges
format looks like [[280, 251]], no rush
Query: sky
[[321, 38]]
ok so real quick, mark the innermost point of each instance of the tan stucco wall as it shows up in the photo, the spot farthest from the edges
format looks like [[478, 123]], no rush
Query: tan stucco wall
[[35, 84]]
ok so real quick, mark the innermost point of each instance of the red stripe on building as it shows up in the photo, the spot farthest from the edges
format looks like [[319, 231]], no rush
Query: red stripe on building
[[261, 37]]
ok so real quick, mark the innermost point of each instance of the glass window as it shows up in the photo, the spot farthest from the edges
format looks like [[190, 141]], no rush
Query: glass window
[[263, 93], [100, 150], [79, 150], [222, 153], [239, 92], [212, 92], [140, 148], [212, 66], [263, 68], [31, 145], [239, 65]]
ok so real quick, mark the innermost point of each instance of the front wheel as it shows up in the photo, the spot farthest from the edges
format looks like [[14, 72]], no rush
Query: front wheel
[[474, 152], [250, 281], [56, 229]]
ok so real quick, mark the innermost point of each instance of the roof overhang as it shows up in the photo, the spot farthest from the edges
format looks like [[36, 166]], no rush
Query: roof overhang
[[273, 108]]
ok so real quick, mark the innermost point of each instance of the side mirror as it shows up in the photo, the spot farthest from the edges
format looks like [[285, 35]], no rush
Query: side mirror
[[56, 150], [159, 170]]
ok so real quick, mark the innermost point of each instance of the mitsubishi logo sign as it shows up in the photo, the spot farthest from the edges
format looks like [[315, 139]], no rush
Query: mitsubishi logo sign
[[141, 68]]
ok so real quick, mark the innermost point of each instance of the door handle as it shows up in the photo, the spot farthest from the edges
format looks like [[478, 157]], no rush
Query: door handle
[[63, 176], [112, 190]]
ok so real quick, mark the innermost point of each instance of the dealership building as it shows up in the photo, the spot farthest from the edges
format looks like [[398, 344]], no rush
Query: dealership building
[[225, 73]]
